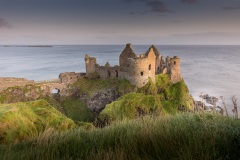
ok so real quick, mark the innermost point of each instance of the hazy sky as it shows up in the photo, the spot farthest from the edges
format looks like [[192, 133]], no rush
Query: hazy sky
[[120, 21]]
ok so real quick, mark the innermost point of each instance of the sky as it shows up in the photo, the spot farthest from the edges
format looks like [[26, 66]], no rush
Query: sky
[[160, 22]]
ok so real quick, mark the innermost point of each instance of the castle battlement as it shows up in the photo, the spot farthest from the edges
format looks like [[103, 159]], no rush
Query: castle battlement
[[136, 68]]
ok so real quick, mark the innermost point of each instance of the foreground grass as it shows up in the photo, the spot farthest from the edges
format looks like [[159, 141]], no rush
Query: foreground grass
[[183, 136], [24, 120]]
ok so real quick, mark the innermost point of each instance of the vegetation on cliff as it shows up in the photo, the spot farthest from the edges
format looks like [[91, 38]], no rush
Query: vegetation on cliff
[[90, 86], [161, 98], [20, 94], [182, 136], [77, 110], [24, 120], [72, 108], [36, 130], [164, 97]]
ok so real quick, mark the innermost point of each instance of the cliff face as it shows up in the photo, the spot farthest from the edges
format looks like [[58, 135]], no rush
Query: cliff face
[[88, 96], [92, 96], [96, 94], [20, 94], [161, 98], [100, 99]]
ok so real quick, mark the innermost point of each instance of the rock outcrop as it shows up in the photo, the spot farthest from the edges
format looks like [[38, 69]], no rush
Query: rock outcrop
[[99, 100]]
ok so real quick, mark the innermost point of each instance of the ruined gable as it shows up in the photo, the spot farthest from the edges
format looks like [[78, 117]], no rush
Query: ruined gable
[[151, 64], [155, 50], [126, 53]]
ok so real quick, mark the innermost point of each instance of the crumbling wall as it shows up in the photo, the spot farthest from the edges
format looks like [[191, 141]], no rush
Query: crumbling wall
[[90, 63], [175, 72], [10, 82], [69, 77], [108, 71]]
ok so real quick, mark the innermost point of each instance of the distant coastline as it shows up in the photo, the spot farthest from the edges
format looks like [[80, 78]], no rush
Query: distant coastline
[[27, 46]]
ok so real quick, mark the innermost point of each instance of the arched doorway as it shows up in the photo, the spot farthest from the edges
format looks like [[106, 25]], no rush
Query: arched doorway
[[55, 91], [109, 73], [116, 73]]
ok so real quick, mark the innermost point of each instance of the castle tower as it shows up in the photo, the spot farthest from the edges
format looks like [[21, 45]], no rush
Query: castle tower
[[90, 63], [126, 53], [175, 71], [138, 71], [141, 69]]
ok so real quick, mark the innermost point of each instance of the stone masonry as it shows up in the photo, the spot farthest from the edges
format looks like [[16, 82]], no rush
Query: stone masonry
[[138, 69]]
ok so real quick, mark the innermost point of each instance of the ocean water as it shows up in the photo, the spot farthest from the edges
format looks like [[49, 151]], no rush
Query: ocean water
[[206, 69]]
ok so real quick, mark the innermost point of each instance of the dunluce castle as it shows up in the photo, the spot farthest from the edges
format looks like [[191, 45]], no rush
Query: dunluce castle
[[136, 68]]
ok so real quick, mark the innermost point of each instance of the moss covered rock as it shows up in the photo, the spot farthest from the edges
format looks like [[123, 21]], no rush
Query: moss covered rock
[[20, 94], [164, 97]]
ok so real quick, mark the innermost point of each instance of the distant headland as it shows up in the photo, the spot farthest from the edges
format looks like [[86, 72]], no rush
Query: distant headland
[[27, 46]]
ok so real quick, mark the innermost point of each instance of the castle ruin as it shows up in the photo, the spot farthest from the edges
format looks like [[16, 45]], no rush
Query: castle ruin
[[136, 68]]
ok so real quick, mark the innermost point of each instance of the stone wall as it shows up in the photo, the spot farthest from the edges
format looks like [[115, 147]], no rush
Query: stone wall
[[69, 77], [90, 63], [108, 71], [175, 73], [10, 82]]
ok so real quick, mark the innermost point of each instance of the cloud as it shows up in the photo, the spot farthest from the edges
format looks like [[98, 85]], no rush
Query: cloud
[[202, 38], [158, 6], [229, 8], [155, 6], [138, 12], [108, 32], [189, 1], [5, 24], [213, 34], [136, 0], [132, 13]]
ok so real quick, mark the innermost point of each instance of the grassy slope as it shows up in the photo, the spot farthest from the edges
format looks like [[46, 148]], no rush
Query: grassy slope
[[90, 86], [77, 110], [163, 97], [74, 109], [183, 136], [131, 106], [23, 120]]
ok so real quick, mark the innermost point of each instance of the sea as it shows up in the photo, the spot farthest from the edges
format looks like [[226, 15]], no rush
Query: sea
[[214, 70]]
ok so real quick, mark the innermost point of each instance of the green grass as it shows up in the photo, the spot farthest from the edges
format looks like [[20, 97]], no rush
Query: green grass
[[77, 110], [91, 86], [173, 96], [164, 97], [183, 136], [20, 94], [24, 120], [130, 106]]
